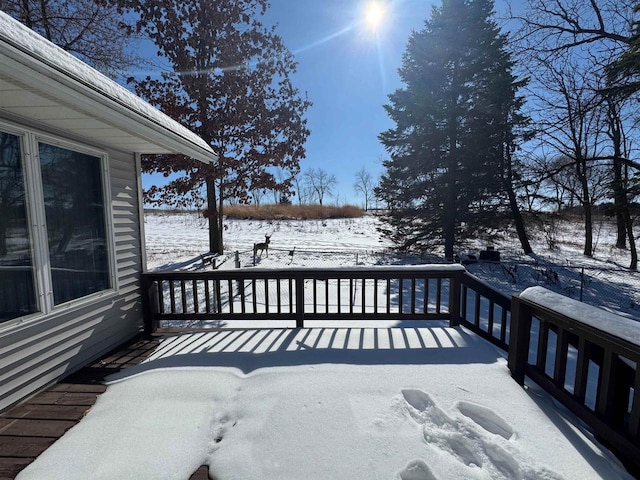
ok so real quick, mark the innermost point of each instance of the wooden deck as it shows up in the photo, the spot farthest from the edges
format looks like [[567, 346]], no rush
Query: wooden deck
[[29, 428]]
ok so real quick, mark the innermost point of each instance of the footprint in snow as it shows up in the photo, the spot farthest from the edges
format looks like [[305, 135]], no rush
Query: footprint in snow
[[487, 419], [479, 437], [417, 470]]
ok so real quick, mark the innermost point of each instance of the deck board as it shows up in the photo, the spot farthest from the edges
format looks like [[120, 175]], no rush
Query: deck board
[[28, 429]]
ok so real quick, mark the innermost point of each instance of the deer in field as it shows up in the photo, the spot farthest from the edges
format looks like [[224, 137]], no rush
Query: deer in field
[[262, 246]]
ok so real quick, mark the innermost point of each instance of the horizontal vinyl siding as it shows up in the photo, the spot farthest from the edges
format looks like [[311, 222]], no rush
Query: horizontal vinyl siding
[[44, 349]]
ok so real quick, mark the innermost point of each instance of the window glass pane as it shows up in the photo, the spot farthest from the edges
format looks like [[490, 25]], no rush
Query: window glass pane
[[17, 294], [75, 213]]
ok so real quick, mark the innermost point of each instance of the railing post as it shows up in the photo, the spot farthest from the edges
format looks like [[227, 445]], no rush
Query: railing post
[[299, 283], [519, 339], [149, 304], [455, 289]]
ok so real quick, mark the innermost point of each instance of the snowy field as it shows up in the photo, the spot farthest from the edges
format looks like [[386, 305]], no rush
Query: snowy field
[[177, 241], [415, 403]]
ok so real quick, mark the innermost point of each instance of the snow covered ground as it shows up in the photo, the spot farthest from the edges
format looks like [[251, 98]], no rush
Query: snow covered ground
[[415, 403]]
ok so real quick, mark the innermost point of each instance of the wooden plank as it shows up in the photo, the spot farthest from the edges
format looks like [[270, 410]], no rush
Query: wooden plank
[[11, 466], [79, 387], [24, 447], [46, 412], [63, 398], [202, 473], [560, 362], [20, 427]]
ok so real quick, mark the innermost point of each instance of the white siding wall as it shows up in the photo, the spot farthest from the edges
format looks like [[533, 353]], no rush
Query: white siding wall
[[41, 350]]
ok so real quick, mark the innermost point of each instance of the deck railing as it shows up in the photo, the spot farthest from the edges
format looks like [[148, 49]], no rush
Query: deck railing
[[584, 357], [590, 367]]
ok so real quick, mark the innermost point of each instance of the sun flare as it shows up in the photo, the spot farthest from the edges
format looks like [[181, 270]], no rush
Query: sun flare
[[374, 14]]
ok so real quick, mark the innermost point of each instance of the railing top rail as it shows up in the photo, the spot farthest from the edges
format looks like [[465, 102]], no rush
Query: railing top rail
[[483, 288], [381, 272], [616, 329]]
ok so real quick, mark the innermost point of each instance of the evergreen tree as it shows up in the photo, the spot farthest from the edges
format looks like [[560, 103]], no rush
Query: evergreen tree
[[455, 129]]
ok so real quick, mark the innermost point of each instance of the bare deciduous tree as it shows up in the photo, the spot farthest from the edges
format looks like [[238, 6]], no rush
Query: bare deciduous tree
[[320, 182], [364, 185]]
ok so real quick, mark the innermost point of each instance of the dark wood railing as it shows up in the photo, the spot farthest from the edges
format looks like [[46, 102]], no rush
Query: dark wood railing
[[560, 352], [302, 295], [584, 357]]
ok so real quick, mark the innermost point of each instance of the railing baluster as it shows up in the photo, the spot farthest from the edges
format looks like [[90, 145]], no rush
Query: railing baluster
[[439, 295], [490, 322], [315, 295], [560, 362], [218, 299], [463, 307], [351, 296], [161, 294], [426, 295], [183, 292], [172, 297], [604, 403], [375, 295], [279, 295], [400, 294], [326, 295], [266, 295], [338, 295], [254, 295], [503, 326], [413, 295], [582, 370], [231, 295], [364, 297], [476, 318], [634, 417], [291, 295], [207, 299], [543, 340], [194, 286], [388, 295]]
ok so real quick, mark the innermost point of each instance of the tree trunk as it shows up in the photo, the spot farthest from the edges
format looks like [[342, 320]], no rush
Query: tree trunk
[[588, 218], [632, 241], [215, 240], [519, 222], [619, 202], [513, 201]]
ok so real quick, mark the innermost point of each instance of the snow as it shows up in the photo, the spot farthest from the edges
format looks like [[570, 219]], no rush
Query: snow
[[592, 316], [26, 40], [413, 403]]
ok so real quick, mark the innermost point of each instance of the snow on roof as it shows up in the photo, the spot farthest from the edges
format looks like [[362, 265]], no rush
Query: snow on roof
[[581, 312], [36, 50]]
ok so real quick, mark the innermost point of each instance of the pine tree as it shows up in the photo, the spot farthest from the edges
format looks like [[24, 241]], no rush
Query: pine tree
[[454, 128]]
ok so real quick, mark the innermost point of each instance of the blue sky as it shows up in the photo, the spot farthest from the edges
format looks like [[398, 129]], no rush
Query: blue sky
[[347, 70]]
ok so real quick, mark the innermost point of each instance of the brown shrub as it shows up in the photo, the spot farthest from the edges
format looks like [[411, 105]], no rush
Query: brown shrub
[[291, 212]]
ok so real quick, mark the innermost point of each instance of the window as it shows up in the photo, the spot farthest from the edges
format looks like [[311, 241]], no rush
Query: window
[[74, 211], [53, 225], [16, 267]]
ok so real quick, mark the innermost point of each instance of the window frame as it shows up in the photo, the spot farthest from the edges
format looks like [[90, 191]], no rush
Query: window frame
[[30, 139]]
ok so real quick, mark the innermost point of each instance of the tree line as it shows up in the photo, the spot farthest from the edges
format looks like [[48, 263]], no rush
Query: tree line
[[494, 122], [492, 126]]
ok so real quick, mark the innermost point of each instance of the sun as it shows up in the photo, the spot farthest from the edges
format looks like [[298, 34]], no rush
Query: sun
[[374, 14]]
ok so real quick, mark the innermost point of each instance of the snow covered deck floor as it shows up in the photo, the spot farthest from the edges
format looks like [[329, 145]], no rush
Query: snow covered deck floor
[[29, 428], [362, 403]]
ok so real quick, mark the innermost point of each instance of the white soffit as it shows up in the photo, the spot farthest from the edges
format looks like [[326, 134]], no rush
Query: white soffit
[[41, 82]]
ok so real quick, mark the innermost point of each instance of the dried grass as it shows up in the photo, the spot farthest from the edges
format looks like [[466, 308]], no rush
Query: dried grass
[[291, 212]]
